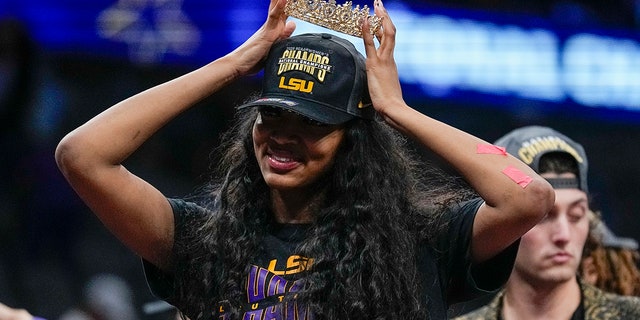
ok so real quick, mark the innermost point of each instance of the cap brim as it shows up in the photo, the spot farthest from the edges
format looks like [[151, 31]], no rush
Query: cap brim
[[609, 239], [622, 243], [316, 111]]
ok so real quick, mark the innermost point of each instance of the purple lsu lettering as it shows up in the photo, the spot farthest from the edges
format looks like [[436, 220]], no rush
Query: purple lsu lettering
[[262, 284], [266, 286], [296, 84], [290, 311]]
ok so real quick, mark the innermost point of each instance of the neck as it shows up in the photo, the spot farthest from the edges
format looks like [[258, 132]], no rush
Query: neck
[[523, 300], [295, 206]]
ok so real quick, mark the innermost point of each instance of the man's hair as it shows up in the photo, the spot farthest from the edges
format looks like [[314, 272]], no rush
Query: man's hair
[[558, 162], [617, 268]]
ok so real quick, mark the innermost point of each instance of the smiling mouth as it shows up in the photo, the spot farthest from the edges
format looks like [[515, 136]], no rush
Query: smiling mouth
[[282, 163], [281, 158]]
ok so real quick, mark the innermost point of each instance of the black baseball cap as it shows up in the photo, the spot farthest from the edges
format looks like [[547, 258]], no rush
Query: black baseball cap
[[318, 75], [532, 142]]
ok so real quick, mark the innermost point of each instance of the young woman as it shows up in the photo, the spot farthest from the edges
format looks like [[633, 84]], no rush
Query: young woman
[[319, 209]]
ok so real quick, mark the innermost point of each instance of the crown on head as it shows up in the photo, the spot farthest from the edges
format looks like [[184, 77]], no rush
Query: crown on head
[[338, 17]]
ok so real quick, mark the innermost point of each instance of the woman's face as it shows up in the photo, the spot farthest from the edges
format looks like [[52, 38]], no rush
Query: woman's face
[[293, 151]]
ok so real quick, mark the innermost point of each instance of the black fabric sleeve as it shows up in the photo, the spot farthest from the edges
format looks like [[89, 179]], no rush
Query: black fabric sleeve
[[469, 281], [455, 245], [492, 274], [161, 283]]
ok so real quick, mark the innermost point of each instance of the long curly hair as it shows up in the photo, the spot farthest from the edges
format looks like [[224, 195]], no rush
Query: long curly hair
[[381, 200], [612, 269], [618, 270]]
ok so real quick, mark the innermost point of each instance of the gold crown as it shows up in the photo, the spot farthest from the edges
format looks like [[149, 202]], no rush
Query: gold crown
[[339, 17]]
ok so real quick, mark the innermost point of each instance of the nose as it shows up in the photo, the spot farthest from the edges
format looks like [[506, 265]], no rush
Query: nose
[[561, 231], [286, 131], [282, 136]]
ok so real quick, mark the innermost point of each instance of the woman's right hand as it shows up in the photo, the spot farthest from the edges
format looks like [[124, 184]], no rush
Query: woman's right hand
[[249, 57]]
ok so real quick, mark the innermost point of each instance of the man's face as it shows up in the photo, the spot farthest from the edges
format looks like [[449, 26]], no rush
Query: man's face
[[551, 251]]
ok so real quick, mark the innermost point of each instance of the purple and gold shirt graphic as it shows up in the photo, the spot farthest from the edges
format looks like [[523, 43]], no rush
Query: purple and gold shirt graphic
[[267, 287]]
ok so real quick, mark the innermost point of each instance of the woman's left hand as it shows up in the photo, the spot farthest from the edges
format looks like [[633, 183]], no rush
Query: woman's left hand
[[382, 72]]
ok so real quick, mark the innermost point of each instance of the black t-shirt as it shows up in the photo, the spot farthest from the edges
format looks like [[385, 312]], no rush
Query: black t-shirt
[[446, 272]]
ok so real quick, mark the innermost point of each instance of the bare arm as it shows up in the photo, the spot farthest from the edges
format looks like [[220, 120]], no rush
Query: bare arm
[[91, 156], [510, 209]]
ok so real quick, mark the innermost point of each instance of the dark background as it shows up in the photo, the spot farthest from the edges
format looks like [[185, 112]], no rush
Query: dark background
[[50, 243]]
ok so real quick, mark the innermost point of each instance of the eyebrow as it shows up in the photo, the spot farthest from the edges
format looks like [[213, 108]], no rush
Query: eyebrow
[[579, 201]]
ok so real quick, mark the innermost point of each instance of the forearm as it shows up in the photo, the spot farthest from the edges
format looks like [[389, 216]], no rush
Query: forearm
[[516, 198], [115, 133], [483, 170], [90, 158]]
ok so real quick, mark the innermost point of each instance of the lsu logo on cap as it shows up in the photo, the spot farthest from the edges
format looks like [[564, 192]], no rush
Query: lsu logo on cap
[[296, 84], [312, 62]]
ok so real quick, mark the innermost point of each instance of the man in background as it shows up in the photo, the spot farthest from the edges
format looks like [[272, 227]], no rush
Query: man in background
[[544, 282]]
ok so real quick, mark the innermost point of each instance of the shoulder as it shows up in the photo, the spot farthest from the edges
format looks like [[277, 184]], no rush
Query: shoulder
[[627, 306], [603, 305], [460, 216], [468, 207], [189, 209], [488, 312], [185, 206], [189, 219]]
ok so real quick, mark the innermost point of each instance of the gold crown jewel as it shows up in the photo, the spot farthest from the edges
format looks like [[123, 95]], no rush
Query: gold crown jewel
[[338, 17]]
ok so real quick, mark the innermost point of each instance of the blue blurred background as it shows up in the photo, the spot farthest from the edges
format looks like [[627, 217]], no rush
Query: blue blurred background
[[485, 66]]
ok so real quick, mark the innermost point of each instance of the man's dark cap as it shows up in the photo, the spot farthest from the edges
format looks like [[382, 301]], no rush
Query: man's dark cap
[[532, 142]]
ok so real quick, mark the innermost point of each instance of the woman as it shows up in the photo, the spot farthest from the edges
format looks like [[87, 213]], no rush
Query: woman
[[320, 210]]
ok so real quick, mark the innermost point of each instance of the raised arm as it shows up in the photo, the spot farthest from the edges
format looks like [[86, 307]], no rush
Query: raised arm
[[516, 198], [91, 156]]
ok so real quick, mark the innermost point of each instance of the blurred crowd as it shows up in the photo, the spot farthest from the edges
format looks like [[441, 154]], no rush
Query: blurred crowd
[[56, 259]]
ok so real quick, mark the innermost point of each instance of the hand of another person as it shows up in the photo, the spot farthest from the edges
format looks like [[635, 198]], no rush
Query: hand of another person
[[8, 313]]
